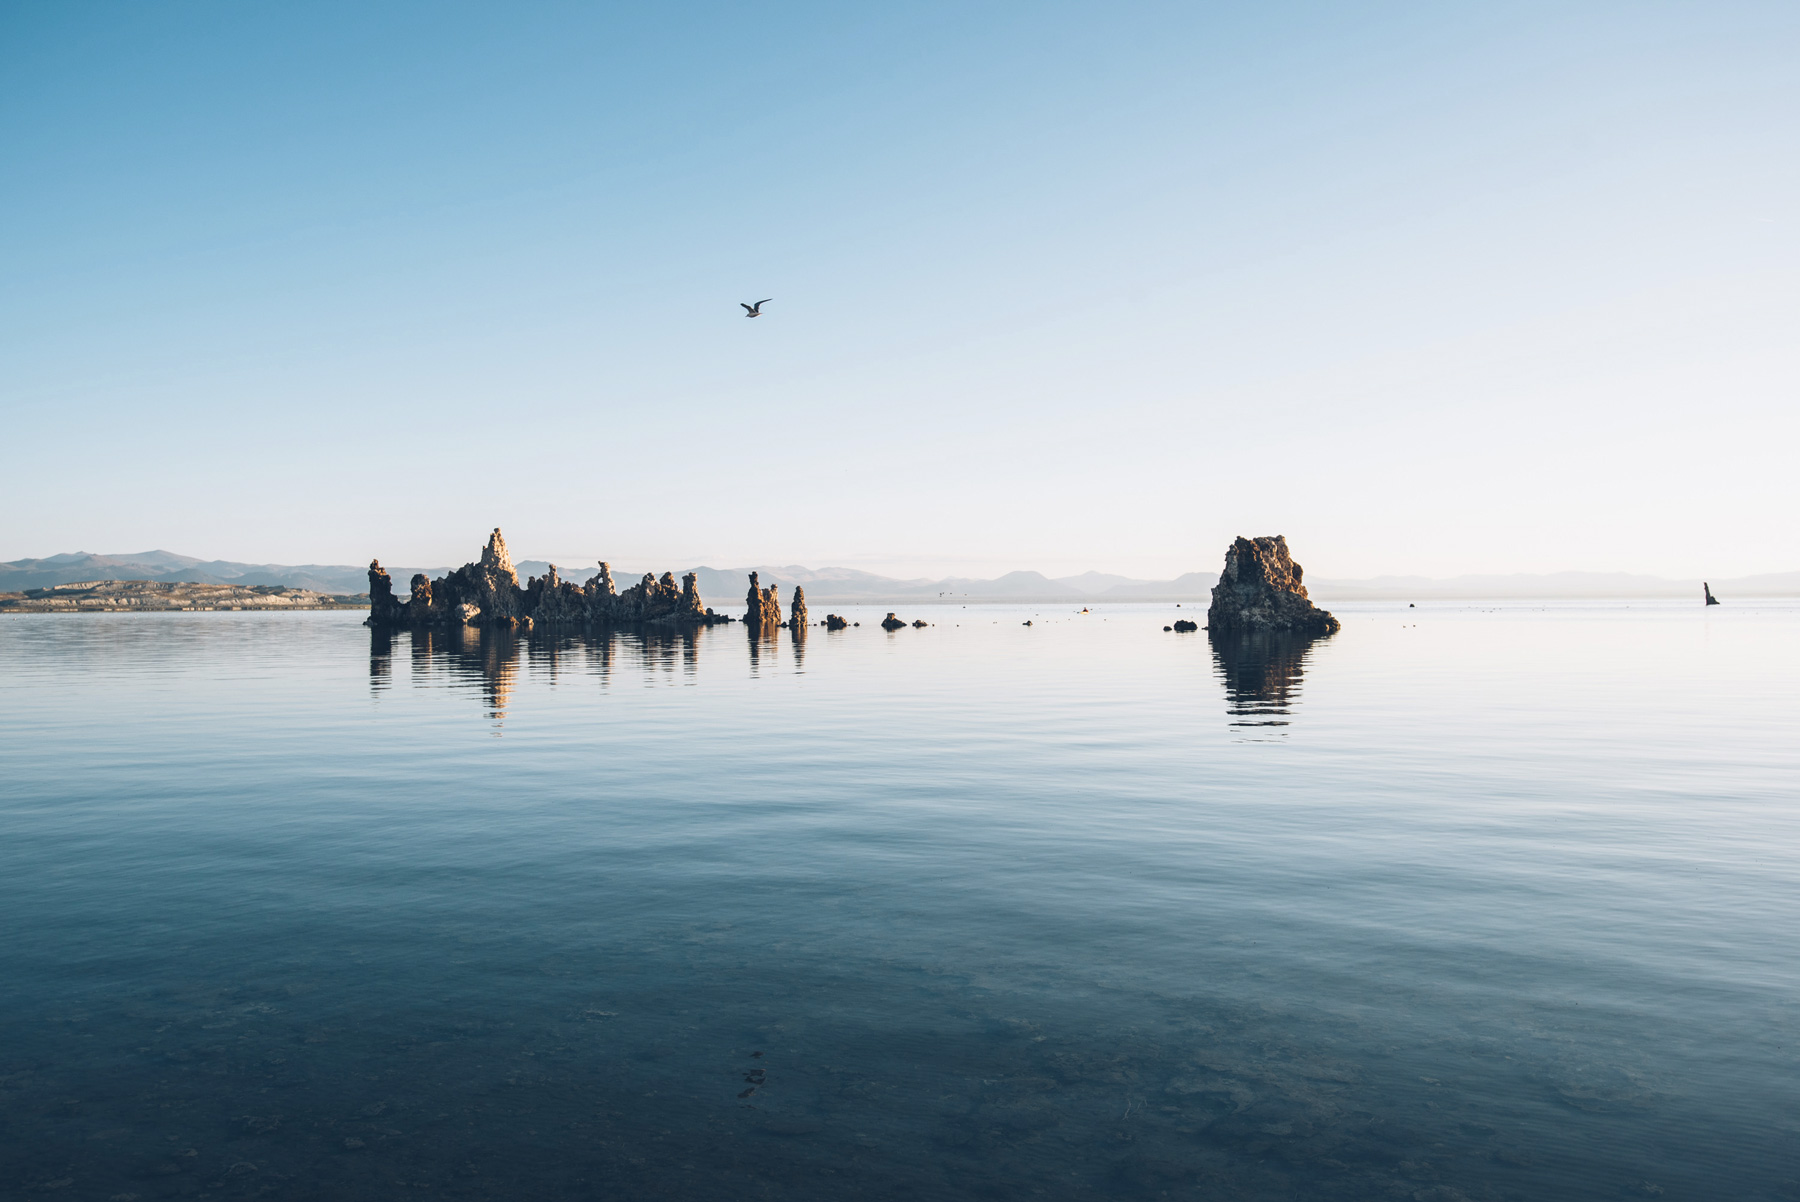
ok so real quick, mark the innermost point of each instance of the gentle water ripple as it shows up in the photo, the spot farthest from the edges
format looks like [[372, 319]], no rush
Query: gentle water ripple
[[1465, 902]]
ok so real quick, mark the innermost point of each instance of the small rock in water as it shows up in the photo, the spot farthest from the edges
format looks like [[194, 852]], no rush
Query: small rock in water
[[1028, 623], [1168, 628], [748, 1092], [1182, 627], [919, 623], [892, 623]]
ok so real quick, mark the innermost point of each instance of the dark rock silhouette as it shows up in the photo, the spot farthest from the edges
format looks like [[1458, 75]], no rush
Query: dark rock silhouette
[[920, 623], [1710, 599], [1182, 625], [834, 622], [487, 593], [1260, 590], [384, 609], [797, 611], [892, 623]]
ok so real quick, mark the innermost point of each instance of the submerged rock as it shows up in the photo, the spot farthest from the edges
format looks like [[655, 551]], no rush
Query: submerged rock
[[892, 623], [1260, 590], [1182, 625], [834, 622]]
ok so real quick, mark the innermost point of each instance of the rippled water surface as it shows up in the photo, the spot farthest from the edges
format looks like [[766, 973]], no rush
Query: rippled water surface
[[1464, 902]]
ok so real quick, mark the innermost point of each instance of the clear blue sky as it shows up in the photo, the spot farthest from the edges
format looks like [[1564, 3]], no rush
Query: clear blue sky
[[1428, 288]]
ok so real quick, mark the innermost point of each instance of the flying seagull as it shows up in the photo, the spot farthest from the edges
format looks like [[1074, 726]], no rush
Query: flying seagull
[[756, 309]]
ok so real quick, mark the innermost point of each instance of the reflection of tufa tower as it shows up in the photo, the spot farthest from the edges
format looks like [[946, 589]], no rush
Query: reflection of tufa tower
[[1261, 673]]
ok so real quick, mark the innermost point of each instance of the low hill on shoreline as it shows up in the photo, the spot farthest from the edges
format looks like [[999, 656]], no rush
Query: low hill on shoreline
[[152, 596]]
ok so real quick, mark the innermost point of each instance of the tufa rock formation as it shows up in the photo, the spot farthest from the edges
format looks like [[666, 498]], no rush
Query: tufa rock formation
[[834, 622], [1183, 626], [1260, 590], [763, 614], [892, 623], [1707, 588], [487, 593], [797, 611]]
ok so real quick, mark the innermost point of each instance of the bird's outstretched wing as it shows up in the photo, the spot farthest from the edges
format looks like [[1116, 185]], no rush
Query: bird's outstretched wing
[[765, 300], [745, 308]]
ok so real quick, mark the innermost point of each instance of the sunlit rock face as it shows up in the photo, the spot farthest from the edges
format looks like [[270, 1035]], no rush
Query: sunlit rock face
[[1260, 590], [487, 593], [483, 593], [549, 598], [797, 611], [496, 583]]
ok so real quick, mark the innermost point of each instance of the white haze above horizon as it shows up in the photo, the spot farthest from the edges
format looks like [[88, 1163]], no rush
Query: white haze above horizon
[[1428, 290]]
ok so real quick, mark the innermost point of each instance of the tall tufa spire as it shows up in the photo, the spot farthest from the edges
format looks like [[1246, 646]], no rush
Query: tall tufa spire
[[496, 556]]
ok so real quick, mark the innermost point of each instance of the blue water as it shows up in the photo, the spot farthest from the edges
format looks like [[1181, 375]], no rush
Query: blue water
[[1483, 902]]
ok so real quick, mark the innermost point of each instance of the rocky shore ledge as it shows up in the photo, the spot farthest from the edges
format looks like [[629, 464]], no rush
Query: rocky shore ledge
[[153, 596], [1260, 592], [487, 593]]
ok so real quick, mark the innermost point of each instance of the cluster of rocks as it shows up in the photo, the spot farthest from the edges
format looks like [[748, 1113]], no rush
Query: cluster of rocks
[[487, 593], [1260, 591]]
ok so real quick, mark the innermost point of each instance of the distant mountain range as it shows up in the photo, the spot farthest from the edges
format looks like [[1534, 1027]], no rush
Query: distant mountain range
[[723, 588]]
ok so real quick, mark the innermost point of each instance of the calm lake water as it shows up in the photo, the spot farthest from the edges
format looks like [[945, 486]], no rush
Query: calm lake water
[[1465, 902]]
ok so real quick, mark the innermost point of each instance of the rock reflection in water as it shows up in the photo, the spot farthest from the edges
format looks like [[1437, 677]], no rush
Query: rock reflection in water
[[381, 660], [491, 658], [761, 640], [1261, 672]]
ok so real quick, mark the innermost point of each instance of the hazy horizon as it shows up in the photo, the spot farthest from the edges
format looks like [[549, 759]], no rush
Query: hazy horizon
[[838, 582], [1430, 292]]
